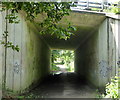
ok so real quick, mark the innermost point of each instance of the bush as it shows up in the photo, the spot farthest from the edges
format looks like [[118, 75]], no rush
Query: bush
[[115, 8], [112, 88]]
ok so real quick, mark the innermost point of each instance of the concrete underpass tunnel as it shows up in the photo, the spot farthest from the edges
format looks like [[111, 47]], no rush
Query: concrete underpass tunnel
[[85, 43], [60, 82], [89, 43], [91, 47]]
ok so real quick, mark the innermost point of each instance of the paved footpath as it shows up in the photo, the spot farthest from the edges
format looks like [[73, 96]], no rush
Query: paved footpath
[[65, 85]]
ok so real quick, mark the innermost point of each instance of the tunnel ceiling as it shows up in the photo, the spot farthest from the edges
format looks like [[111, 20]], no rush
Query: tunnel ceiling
[[86, 24]]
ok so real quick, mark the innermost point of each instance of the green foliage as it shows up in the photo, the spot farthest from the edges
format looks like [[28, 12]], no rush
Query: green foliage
[[114, 8], [8, 44], [62, 57], [113, 88], [55, 68], [54, 12], [55, 54], [12, 18]]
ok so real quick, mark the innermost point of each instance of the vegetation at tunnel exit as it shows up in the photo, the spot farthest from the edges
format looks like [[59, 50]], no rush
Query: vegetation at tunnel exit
[[54, 12], [64, 58]]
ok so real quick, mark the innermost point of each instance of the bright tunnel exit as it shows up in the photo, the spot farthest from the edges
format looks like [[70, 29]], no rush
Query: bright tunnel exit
[[62, 61]]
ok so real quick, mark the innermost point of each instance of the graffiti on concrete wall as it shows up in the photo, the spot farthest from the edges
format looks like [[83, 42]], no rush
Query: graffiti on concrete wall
[[17, 67], [104, 68]]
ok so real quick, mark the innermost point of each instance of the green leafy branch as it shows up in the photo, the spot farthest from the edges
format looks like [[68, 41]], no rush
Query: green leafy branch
[[8, 44], [12, 18], [50, 25], [55, 12]]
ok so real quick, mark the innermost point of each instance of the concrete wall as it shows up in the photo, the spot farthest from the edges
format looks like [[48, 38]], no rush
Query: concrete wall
[[119, 48], [96, 59], [103, 68], [31, 64], [86, 59], [0, 57], [113, 45]]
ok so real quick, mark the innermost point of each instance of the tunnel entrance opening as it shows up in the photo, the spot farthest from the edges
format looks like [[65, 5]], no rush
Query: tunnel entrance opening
[[62, 61]]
